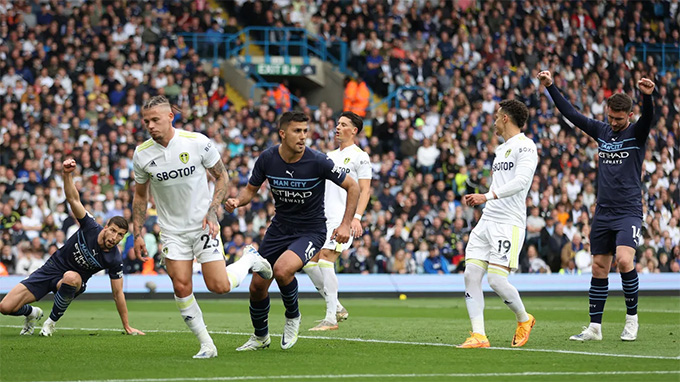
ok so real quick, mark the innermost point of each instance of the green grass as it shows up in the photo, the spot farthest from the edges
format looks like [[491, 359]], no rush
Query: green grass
[[384, 339]]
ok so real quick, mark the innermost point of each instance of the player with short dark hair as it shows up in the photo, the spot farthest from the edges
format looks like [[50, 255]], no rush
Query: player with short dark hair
[[297, 178], [321, 269], [496, 241], [618, 216], [89, 250]]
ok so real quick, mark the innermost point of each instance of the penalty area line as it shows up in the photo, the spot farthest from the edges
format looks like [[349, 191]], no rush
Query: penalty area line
[[379, 341]]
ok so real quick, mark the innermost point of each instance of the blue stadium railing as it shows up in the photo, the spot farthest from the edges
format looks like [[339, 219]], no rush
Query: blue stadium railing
[[666, 56], [285, 42]]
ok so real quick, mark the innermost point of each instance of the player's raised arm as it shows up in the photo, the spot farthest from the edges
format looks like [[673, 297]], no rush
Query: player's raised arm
[[579, 120], [220, 174], [342, 233], [121, 305], [644, 124], [72, 196]]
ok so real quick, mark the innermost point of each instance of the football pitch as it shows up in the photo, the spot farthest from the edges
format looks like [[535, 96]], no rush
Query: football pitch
[[384, 339]]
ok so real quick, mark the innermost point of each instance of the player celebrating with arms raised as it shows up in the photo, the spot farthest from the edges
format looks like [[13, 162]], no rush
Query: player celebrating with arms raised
[[89, 250], [297, 178], [356, 163], [173, 164], [618, 216], [496, 241]]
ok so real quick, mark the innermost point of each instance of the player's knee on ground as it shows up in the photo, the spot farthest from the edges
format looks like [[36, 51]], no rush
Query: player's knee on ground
[[72, 278]]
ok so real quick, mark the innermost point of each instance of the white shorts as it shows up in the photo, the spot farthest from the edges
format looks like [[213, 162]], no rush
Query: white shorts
[[332, 244], [187, 245], [496, 243]]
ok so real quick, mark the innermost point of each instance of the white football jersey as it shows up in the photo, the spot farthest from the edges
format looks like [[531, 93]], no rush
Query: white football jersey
[[513, 172], [356, 164], [177, 173]]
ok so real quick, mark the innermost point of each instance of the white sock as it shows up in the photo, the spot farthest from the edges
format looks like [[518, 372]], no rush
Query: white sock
[[498, 280], [633, 318], [193, 317], [330, 282], [49, 321], [596, 326], [238, 270], [314, 272], [474, 296]]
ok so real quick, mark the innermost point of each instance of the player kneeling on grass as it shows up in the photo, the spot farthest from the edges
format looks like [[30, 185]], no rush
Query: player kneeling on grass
[[89, 250], [496, 241]]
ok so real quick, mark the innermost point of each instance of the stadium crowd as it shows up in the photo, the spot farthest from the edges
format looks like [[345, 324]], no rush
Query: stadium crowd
[[74, 74]]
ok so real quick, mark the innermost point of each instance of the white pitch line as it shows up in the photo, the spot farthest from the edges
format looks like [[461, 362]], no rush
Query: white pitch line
[[365, 340], [355, 376]]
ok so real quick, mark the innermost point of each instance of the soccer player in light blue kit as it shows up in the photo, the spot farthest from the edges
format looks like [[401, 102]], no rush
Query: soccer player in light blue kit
[[297, 179], [618, 217], [89, 250]]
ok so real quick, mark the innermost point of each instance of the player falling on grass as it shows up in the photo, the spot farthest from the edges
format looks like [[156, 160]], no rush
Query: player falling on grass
[[89, 250], [173, 165], [297, 178], [618, 216], [496, 241], [355, 163]]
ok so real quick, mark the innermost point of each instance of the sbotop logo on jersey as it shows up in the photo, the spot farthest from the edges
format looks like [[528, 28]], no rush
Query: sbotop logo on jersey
[[174, 174], [503, 166]]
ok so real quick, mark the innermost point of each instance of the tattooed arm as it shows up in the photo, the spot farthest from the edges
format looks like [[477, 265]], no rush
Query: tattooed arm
[[221, 178], [139, 203]]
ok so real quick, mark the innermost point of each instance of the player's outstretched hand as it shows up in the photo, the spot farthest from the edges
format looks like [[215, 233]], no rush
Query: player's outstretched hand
[[356, 229], [545, 77], [140, 249], [474, 199], [341, 234], [69, 165], [646, 86], [134, 332], [231, 204]]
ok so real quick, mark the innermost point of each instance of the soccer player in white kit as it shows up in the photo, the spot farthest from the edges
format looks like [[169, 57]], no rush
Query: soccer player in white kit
[[356, 163], [173, 164], [496, 241]]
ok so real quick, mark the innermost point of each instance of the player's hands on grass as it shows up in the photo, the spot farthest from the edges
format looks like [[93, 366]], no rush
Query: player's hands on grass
[[140, 249], [341, 234], [210, 220], [474, 199], [545, 77], [69, 166], [231, 204], [646, 86], [356, 229], [134, 332]]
